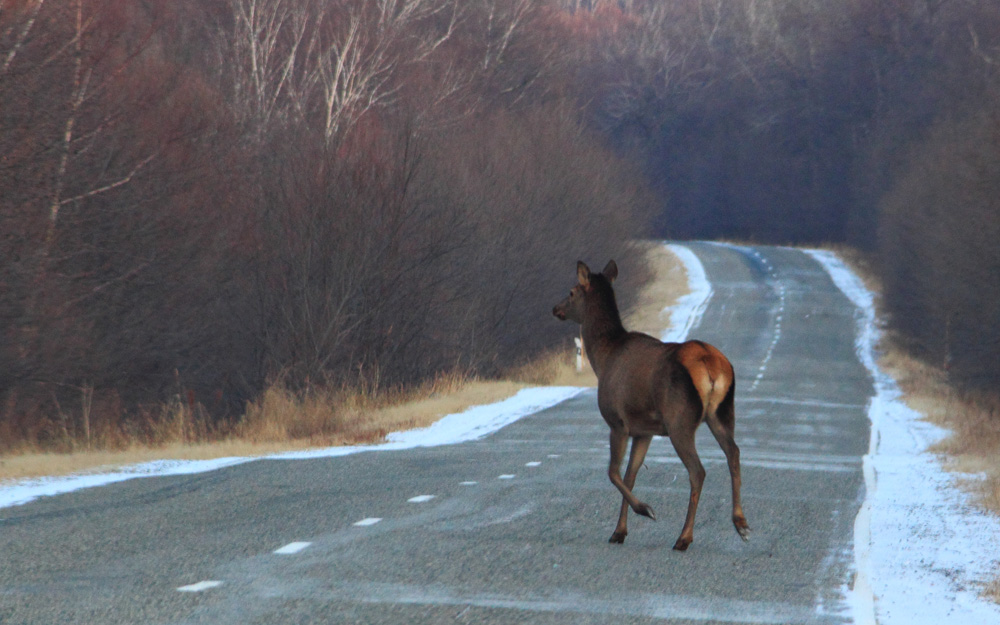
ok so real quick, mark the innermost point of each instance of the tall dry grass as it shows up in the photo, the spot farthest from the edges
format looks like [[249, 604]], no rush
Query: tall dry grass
[[323, 415]]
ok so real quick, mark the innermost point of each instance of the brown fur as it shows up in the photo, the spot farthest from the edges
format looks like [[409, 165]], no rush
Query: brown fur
[[649, 388]]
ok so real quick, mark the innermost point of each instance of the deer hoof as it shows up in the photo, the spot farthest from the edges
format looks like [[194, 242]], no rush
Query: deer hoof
[[645, 510], [682, 544], [742, 528], [618, 538]]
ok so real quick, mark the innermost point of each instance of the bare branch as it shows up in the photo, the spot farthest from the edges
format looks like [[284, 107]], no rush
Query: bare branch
[[114, 185], [21, 37]]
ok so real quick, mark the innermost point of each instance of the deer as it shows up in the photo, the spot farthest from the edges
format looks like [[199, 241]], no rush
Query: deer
[[648, 388]]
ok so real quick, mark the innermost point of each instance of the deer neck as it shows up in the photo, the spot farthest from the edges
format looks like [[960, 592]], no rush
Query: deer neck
[[602, 331]]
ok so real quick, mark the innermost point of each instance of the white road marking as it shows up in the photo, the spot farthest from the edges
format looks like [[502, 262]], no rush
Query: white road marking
[[553, 455], [533, 464], [291, 548], [368, 521], [200, 586], [506, 476], [420, 498], [467, 483]]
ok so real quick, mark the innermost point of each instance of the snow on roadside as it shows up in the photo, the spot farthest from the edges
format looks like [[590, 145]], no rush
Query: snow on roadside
[[476, 422], [921, 548], [686, 314]]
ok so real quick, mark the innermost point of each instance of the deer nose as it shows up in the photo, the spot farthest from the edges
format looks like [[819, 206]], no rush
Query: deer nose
[[558, 313]]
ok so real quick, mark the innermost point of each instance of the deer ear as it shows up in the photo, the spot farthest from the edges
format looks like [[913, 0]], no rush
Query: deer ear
[[610, 271], [583, 273]]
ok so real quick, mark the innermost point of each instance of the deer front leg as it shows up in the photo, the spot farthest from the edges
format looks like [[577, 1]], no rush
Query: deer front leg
[[640, 445], [619, 441]]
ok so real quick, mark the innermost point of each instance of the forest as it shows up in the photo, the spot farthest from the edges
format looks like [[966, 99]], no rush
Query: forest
[[199, 199]]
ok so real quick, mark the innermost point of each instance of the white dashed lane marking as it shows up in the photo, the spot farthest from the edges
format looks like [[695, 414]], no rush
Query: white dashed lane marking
[[777, 323], [200, 586], [298, 546], [367, 522], [291, 548]]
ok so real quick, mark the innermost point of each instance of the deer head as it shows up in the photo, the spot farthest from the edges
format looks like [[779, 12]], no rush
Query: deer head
[[573, 307]]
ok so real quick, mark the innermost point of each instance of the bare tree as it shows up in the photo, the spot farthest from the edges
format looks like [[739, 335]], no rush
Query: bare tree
[[59, 79], [327, 64]]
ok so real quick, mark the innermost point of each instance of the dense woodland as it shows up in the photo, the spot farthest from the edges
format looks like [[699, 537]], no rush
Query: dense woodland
[[201, 198], [872, 123]]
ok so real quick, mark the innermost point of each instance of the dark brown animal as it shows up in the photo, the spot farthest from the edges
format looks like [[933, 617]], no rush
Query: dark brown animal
[[648, 388]]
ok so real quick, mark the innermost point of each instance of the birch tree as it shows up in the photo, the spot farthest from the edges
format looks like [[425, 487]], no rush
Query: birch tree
[[63, 149]]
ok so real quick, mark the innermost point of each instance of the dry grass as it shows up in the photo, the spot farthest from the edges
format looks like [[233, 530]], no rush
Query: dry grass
[[285, 420], [992, 591], [343, 417]]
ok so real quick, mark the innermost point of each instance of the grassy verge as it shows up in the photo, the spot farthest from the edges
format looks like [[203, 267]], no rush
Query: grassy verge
[[282, 420]]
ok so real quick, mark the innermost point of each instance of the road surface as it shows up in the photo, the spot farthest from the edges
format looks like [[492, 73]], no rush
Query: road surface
[[511, 528]]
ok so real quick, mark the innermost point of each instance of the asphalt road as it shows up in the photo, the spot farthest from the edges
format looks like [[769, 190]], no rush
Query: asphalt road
[[512, 528]]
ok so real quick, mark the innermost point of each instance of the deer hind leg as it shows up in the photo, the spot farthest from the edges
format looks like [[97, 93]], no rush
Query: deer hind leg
[[683, 441], [640, 445], [722, 427]]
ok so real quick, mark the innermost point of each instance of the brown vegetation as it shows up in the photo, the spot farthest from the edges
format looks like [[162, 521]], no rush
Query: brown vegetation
[[202, 198]]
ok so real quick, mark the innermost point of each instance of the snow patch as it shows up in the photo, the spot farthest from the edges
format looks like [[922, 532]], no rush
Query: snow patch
[[921, 548]]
